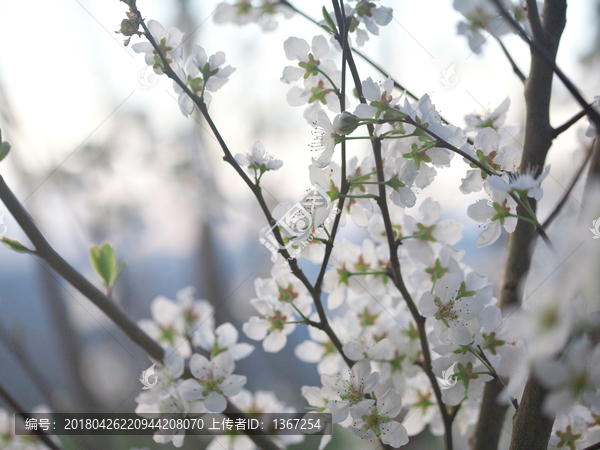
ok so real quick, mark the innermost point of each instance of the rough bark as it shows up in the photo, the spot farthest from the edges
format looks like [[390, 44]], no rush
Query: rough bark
[[538, 139], [594, 170], [532, 428]]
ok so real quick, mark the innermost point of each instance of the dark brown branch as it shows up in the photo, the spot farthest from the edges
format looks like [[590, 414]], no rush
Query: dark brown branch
[[594, 170], [533, 16], [567, 193], [538, 139], [593, 447], [65, 270], [15, 406], [492, 415], [512, 62], [531, 428], [397, 273], [542, 48], [569, 123], [255, 187]]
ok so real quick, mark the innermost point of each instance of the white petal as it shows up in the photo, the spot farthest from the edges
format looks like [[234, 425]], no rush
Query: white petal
[[291, 74], [336, 298], [472, 182], [320, 48], [309, 352], [490, 235], [224, 362], [459, 332], [190, 390], [215, 402], [227, 334], [200, 366], [487, 140], [497, 183], [241, 351], [481, 211], [256, 328], [296, 49], [156, 29], [448, 231], [232, 385], [365, 111], [427, 305], [216, 60], [447, 287], [274, 342], [371, 90]]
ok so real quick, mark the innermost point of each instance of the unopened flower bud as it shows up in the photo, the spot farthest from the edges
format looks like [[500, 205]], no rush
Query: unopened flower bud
[[345, 123]]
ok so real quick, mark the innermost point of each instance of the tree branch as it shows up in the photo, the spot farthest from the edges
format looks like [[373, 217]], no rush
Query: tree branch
[[567, 193], [533, 16], [544, 49], [47, 253], [15, 406], [78, 281], [256, 189], [538, 139], [397, 278], [594, 170], [569, 123], [512, 62]]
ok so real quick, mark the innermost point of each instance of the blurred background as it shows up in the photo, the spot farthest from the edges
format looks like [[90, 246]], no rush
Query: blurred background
[[101, 152]]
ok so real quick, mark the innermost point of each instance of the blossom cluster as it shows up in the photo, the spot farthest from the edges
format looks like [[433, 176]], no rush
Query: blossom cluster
[[385, 331]]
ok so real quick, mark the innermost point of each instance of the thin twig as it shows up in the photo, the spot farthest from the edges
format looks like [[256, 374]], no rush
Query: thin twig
[[45, 251], [569, 123], [512, 62], [397, 278], [567, 193], [513, 400], [533, 15], [15, 406], [533, 44], [256, 189]]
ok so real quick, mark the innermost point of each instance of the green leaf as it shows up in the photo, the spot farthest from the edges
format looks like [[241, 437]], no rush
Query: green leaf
[[4, 149], [16, 246], [105, 263], [329, 21]]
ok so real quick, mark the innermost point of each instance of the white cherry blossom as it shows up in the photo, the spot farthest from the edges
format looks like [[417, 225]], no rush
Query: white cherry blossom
[[223, 339], [201, 74], [373, 420], [451, 313], [487, 150], [169, 42], [258, 161], [347, 392], [272, 328], [527, 182], [497, 213], [213, 381]]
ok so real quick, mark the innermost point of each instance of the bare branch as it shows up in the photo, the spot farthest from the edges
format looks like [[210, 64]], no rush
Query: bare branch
[[567, 193], [256, 189], [538, 139], [397, 278], [15, 406], [65, 270], [548, 57], [515, 68], [533, 15], [569, 123]]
